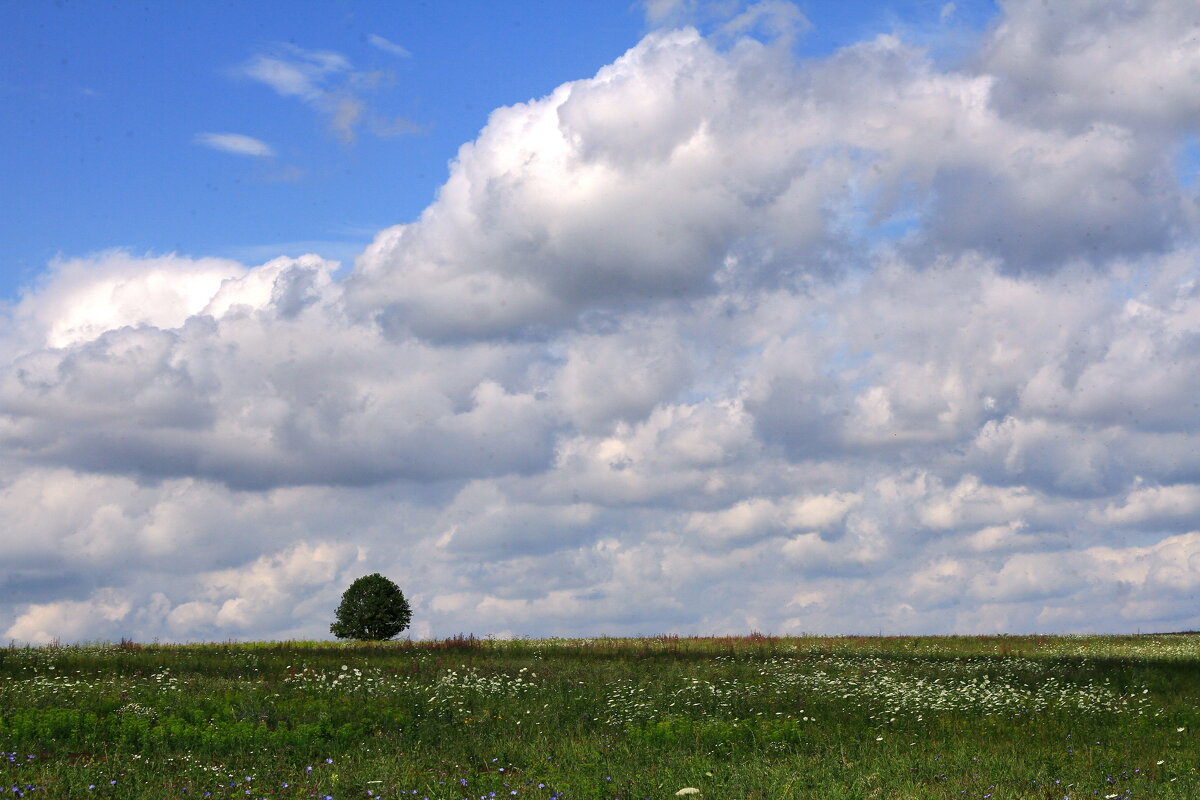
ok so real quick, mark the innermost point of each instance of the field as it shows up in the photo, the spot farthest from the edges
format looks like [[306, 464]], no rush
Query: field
[[734, 718]]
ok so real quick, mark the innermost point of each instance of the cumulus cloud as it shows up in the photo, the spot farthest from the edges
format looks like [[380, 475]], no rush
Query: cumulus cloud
[[68, 620], [1153, 505], [728, 179], [77, 300], [757, 516], [1129, 63], [875, 343], [519, 240], [621, 375], [222, 381]]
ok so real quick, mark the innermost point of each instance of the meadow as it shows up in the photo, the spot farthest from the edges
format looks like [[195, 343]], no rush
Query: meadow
[[573, 719]]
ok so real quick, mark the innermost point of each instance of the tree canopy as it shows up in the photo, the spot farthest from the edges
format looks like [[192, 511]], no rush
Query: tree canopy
[[373, 608]]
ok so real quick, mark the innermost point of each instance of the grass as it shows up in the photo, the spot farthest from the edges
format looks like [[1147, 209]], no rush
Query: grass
[[735, 718]]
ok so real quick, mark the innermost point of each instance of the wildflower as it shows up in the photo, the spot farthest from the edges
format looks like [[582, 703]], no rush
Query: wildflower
[[687, 790]]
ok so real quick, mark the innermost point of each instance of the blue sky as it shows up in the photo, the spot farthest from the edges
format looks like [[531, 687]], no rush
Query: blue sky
[[104, 104], [692, 316]]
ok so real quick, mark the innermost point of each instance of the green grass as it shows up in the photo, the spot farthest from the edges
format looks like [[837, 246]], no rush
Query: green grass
[[736, 718]]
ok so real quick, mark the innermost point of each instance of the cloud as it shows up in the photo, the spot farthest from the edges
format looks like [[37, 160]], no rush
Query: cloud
[[265, 591], [773, 20], [1130, 63], [325, 81], [874, 344], [236, 143], [1153, 505], [77, 300], [728, 178], [756, 517], [621, 375], [776, 20], [295, 72], [386, 46], [682, 186], [69, 620], [661, 13], [132, 377]]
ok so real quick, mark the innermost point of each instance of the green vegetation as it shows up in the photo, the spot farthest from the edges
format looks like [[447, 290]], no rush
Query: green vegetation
[[735, 718], [372, 609]]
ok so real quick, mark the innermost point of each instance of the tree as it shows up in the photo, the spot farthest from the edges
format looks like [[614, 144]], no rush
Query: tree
[[372, 608]]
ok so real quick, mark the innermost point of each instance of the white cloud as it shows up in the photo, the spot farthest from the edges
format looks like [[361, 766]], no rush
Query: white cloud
[[294, 72], [387, 46], [1153, 504], [68, 621], [80, 299], [971, 504], [620, 376], [1132, 62], [236, 143], [1002, 537], [756, 517], [525, 229], [274, 591], [322, 79], [778, 20], [727, 179]]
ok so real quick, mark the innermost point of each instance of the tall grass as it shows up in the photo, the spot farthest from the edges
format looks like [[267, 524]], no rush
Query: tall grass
[[734, 717]]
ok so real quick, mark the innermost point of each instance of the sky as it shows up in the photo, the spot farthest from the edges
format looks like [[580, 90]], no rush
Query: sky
[[600, 318]]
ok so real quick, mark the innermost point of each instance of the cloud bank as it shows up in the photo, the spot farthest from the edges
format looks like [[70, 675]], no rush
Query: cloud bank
[[713, 340]]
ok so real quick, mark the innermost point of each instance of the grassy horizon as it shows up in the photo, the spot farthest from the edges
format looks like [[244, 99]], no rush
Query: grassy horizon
[[756, 716]]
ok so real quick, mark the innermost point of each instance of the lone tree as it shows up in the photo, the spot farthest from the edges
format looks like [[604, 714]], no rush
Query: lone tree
[[372, 608]]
